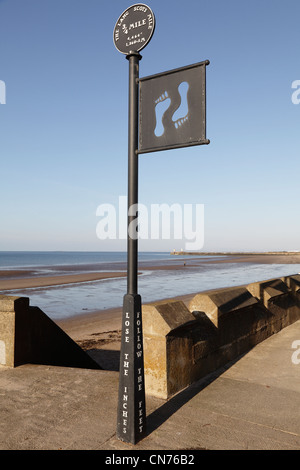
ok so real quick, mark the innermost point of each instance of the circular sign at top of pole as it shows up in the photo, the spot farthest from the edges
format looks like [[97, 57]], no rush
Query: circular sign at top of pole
[[134, 29]]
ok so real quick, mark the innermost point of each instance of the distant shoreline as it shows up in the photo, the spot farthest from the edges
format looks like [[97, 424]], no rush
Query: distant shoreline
[[28, 278]]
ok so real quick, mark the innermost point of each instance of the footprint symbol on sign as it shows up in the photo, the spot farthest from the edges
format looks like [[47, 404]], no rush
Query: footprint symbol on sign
[[161, 106], [181, 114], [163, 103]]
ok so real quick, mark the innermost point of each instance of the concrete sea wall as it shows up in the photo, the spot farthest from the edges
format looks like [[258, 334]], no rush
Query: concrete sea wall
[[183, 344]]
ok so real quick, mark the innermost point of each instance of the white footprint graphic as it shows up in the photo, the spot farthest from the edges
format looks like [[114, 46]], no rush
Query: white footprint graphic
[[181, 114], [161, 106]]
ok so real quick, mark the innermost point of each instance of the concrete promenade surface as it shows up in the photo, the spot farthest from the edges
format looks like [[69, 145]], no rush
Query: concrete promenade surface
[[252, 404]]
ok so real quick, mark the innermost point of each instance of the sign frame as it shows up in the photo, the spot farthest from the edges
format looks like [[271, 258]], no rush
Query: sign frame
[[144, 128]]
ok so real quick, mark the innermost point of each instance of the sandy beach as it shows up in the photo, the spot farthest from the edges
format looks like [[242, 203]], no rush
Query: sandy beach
[[22, 281], [99, 332]]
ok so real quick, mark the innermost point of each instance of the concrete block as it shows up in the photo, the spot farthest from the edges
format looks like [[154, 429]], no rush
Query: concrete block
[[234, 312], [217, 304], [155, 365], [162, 317], [9, 307], [293, 282], [278, 297], [238, 318], [166, 351], [268, 290], [28, 335]]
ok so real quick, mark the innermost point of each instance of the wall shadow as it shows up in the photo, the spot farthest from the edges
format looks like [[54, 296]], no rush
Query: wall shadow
[[106, 358]]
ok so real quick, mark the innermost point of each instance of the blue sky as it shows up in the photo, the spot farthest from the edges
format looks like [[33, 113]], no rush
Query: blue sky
[[63, 139]]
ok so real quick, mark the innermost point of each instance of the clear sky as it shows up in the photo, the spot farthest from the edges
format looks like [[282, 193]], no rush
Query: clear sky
[[63, 128]]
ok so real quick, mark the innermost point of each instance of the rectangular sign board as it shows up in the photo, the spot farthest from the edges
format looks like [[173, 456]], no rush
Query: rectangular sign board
[[172, 109]]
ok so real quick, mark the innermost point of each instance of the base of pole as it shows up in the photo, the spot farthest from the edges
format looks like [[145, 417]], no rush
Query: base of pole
[[131, 418]]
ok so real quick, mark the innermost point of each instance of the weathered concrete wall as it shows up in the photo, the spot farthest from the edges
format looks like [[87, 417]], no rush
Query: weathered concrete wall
[[183, 344], [28, 335]]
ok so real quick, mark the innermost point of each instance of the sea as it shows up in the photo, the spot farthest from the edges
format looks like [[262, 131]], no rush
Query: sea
[[62, 302]]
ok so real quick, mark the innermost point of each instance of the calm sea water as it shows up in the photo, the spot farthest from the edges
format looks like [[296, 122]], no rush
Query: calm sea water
[[34, 259], [62, 302]]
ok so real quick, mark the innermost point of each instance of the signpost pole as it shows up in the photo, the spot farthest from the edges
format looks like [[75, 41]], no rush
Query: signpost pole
[[131, 425], [133, 30], [132, 244]]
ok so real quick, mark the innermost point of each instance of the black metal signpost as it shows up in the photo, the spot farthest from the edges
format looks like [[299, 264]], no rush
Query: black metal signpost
[[166, 111], [132, 33]]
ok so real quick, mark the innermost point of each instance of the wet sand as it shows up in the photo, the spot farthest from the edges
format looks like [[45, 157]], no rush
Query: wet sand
[[94, 329], [23, 282], [97, 331]]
